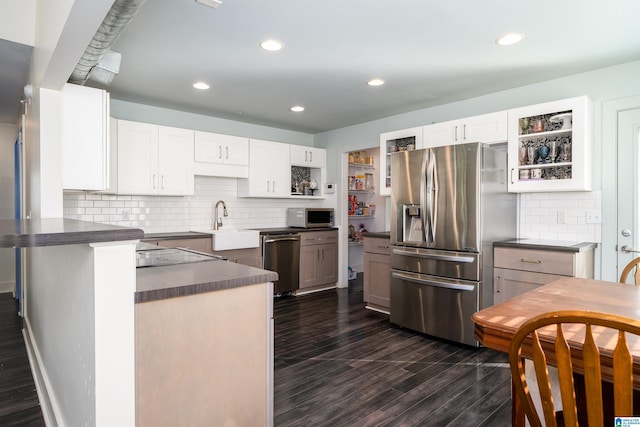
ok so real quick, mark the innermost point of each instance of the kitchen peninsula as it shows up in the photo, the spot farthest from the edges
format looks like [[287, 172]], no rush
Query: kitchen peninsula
[[103, 335]]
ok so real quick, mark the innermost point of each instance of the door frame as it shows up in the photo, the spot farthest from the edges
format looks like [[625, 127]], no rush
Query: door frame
[[609, 155]]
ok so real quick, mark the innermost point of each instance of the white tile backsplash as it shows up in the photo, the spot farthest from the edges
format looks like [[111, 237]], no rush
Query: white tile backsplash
[[158, 214], [539, 216]]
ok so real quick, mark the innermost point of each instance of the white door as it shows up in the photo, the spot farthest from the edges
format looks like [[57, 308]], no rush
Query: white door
[[628, 187]]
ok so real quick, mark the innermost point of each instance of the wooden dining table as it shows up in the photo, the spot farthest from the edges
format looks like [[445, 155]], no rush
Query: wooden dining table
[[495, 326]]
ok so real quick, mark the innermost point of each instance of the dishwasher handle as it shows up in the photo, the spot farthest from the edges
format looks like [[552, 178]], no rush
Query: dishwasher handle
[[282, 239], [421, 281]]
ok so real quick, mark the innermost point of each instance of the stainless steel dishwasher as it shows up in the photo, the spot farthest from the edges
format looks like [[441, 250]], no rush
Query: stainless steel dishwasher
[[281, 253]]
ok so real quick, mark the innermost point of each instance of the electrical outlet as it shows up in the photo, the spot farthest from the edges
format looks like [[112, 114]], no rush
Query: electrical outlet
[[593, 217], [125, 214], [562, 216]]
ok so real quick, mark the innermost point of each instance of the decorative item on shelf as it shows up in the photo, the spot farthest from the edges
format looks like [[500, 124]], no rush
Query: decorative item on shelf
[[543, 153], [565, 152], [531, 154], [522, 155], [536, 173], [525, 174], [564, 118], [411, 147], [360, 182], [553, 150], [368, 160], [393, 148], [538, 126], [524, 125], [351, 158], [372, 209]]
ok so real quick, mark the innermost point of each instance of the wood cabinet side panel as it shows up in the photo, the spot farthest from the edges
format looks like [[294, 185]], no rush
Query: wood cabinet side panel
[[204, 359]]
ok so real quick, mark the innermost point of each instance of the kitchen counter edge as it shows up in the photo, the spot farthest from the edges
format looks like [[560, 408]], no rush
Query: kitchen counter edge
[[157, 283], [548, 245], [30, 233]]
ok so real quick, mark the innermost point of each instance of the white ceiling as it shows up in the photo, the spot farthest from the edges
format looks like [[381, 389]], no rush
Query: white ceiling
[[428, 52]]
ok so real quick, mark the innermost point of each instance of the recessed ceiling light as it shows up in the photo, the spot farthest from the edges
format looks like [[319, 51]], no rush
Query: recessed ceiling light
[[201, 85], [297, 109], [509, 39], [375, 82], [271, 45], [211, 3]]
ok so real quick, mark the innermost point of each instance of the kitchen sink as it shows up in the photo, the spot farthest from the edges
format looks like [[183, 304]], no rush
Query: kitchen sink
[[222, 240]]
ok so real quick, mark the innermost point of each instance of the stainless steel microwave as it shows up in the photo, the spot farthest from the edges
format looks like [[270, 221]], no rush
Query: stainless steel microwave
[[310, 217]]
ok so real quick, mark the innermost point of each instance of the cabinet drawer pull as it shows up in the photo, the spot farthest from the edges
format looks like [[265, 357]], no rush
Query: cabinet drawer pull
[[383, 247], [531, 261]]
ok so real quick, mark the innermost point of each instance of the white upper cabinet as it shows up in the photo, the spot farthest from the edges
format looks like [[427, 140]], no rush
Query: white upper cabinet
[[488, 128], [390, 142], [154, 160], [308, 156], [85, 138], [550, 146], [269, 170], [221, 155]]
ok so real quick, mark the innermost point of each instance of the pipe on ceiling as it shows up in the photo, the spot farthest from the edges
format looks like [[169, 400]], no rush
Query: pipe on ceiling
[[118, 17]]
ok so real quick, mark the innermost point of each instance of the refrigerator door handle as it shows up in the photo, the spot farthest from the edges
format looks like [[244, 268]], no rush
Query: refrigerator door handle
[[421, 281], [452, 258], [434, 195], [424, 188]]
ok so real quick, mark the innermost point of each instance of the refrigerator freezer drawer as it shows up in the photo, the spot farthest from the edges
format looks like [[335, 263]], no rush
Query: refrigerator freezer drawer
[[435, 306], [451, 264]]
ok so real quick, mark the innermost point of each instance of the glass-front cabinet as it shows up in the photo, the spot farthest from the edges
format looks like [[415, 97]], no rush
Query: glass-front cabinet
[[390, 142], [550, 146]]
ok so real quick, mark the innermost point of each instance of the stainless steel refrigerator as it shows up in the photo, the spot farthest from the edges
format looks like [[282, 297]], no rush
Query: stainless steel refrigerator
[[448, 205]]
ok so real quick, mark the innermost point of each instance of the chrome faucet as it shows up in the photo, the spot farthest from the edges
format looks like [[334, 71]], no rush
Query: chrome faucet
[[217, 221]]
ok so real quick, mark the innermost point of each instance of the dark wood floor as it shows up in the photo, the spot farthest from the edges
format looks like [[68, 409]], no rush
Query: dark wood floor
[[338, 364], [19, 404]]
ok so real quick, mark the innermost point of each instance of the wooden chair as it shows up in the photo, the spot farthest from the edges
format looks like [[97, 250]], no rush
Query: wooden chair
[[635, 263], [529, 343]]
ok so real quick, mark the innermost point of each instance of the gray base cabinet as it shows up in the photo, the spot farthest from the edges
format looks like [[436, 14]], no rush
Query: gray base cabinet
[[377, 274], [318, 259], [519, 270]]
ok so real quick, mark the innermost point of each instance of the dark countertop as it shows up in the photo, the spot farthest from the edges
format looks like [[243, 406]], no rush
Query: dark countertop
[[550, 245], [378, 234], [61, 231], [285, 230], [156, 283], [198, 234], [176, 235]]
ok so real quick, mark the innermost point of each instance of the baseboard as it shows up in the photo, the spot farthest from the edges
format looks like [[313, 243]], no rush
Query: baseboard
[[379, 310], [7, 286], [43, 385], [310, 291]]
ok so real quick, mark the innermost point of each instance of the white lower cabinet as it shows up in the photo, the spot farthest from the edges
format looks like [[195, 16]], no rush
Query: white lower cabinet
[[269, 170], [488, 128], [154, 160]]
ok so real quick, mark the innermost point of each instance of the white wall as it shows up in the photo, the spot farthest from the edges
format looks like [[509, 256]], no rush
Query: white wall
[[17, 21], [163, 116], [600, 85], [8, 135]]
